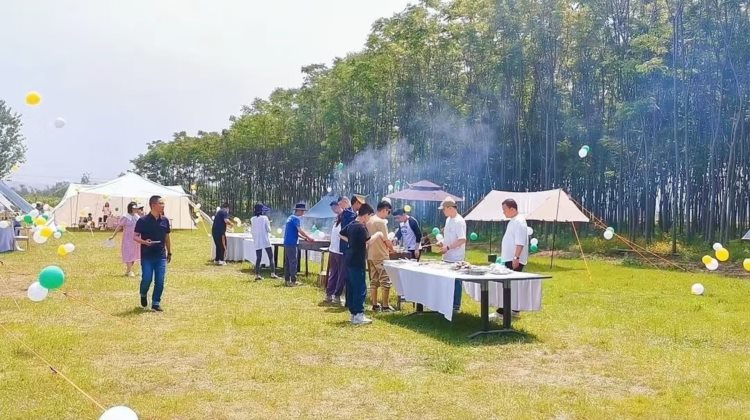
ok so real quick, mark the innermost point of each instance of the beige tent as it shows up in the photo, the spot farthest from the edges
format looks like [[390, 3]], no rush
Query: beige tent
[[549, 206], [83, 199]]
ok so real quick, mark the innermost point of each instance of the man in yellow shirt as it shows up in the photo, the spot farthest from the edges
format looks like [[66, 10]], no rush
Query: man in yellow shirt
[[378, 252]]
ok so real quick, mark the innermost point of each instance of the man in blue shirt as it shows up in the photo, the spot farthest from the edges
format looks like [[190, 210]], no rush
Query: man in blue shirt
[[152, 232], [292, 232], [219, 232]]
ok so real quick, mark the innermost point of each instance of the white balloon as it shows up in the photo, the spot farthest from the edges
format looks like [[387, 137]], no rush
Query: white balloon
[[34, 213], [321, 234], [4, 224], [534, 241], [19, 218], [38, 238], [328, 189], [37, 292], [69, 247], [529, 230], [59, 122], [611, 228], [717, 246], [697, 289], [119, 413], [713, 265], [582, 153], [57, 235], [608, 234], [197, 206], [439, 237]]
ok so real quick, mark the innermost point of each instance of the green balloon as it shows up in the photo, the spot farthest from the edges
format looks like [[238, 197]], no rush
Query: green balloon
[[51, 277], [473, 236], [435, 231], [28, 219], [534, 248]]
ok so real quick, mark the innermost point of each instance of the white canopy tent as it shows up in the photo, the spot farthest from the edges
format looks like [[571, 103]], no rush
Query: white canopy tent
[[548, 206], [83, 199]]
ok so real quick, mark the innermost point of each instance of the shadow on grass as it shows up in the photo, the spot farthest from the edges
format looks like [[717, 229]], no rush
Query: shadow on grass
[[456, 332], [129, 313]]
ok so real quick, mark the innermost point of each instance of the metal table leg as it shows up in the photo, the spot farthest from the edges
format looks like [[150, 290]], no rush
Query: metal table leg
[[486, 308]]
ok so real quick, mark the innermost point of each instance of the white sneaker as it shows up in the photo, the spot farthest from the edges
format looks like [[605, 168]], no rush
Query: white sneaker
[[221, 263], [361, 319], [274, 276], [499, 315], [131, 274]]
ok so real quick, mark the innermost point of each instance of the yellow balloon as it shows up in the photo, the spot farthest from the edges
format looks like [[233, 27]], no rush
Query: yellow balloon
[[40, 221], [746, 264], [722, 254], [46, 231], [33, 98], [61, 251], [407, 208], [706, 259]]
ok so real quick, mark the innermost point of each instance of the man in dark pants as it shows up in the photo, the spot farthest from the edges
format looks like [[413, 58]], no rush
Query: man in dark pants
[[152, 232], [514, 251], [292, 232], [355, 259], [219, 232]]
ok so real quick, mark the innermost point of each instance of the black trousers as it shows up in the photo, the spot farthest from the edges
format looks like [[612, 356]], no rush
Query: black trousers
[[220, 248]]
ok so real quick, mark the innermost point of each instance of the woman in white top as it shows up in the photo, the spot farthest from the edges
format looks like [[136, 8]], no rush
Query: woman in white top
[[337, 271], [260, 228]]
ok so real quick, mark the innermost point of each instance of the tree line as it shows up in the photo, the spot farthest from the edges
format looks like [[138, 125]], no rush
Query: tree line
[[480, 95]]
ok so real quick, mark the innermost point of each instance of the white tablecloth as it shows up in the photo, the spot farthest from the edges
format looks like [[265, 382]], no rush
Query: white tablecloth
[[525, 295], [241, 247], [434, 287]]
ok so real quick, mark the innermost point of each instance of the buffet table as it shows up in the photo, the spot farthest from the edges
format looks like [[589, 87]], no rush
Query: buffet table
[[432, 283]]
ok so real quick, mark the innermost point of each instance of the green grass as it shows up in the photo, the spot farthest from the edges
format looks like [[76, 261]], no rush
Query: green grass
[[627, 342]]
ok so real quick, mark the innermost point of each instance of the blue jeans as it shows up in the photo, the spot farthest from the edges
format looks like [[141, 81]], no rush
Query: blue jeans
[[155, 270], [457, 292], [356, 290]]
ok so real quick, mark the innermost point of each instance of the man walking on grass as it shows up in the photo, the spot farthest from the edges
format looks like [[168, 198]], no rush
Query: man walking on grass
[[152, 233]]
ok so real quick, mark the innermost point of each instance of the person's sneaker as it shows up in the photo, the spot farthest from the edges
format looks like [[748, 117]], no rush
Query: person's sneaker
[[258, 277], [388, 308], [222, 263], [274, 276], [328, 300], [295, 283], [157, 309], [336, 300], [144, 301], [377, 308], [361, 319], [131, 274]]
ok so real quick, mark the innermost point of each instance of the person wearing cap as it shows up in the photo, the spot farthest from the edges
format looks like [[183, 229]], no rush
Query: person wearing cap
[[355, 259], [131, 251], [454, 242], [219, 232], [377, 252], [336, 276], [292, 232], [260, 228], [408, 233]]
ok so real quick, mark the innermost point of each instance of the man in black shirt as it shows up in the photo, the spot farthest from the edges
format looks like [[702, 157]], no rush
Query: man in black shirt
[[152, 232], [219, 232], [355, 260]]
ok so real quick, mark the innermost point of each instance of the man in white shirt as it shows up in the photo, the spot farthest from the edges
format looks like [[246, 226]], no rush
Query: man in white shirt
[[514, 251], [454, 242]]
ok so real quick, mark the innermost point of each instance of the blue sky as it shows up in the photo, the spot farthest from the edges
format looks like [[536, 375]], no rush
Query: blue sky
[[123, 73]]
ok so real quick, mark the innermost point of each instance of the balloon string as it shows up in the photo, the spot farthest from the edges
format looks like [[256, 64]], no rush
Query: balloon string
[[13, 336], [69, 296], [10, 292], [581, 247]]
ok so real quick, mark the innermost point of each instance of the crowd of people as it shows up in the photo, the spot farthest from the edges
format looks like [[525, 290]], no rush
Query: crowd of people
[[359, 242]]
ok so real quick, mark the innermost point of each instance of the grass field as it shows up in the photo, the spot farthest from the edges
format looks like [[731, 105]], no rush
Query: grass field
[[629, 342]]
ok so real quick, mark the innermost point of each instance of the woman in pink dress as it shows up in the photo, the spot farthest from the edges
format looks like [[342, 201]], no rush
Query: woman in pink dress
[[131, 251]]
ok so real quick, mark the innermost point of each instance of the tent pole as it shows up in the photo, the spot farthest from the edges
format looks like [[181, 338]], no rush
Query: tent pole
[[554, 229]]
